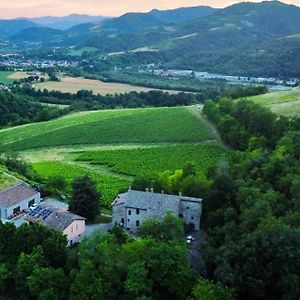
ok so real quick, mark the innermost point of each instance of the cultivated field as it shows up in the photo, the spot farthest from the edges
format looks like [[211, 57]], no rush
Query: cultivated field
[[149, 161], [7, 77], [126, 126], [79, 52], [73, 85], [115, 146], [283, 102]]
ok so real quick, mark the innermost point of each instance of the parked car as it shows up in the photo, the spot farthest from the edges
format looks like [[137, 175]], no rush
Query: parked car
[[33, 206], [189, 239]]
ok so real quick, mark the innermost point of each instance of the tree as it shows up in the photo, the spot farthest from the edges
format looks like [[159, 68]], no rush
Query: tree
[[25, 267], [57, 183], [171, 228], [263, 264], [85, 199], [207, 290], [4, 275], [48, 283], [193, 186]]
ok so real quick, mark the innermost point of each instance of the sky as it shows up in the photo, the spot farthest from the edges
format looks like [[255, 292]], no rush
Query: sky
[[35, 8]]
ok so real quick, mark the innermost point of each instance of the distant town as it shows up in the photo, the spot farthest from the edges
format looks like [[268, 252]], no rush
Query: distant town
[[292, 82]]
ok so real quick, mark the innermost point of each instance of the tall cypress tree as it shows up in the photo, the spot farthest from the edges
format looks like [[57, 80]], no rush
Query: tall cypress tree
[[85, 199]]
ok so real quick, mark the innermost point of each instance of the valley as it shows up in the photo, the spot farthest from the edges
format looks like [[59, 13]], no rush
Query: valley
[[149, 153], [73, 85]]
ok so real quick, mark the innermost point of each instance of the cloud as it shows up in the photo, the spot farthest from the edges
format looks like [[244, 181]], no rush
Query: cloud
[[33, 8]]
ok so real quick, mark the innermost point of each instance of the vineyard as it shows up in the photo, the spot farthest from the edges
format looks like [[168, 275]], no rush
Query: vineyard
[[165, 125], [115, 146], [150, 161]]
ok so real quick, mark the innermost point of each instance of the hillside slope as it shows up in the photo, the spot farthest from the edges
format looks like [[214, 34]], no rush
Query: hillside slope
[[229, 41], [284, 103]]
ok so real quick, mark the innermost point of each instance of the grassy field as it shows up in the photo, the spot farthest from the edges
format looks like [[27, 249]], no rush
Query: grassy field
[[79, 52], [7, 77], [6, 181], [73, 85], [283, 102], [115, 146]]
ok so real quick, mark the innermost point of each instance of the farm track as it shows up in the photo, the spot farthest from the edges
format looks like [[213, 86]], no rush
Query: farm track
[[197, 113]]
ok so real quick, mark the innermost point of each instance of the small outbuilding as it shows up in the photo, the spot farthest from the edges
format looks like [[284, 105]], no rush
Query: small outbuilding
[[71, 225]]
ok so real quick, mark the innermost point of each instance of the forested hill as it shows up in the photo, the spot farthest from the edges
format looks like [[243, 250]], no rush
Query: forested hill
[[229, 41]]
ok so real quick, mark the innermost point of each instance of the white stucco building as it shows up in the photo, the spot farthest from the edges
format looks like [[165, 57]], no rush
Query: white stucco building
[[17, 198]]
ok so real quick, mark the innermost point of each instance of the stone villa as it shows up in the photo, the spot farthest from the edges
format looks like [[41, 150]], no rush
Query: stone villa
[[132, 208]]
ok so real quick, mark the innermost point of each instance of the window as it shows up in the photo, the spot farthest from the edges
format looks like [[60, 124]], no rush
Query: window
[[137, 223], [187, 207], [129, 212], [128, 220], [137, 211], [72, 229], [30, 203], [192, 218], [76, 226], [180, 216], [16, 210], [122, 221]]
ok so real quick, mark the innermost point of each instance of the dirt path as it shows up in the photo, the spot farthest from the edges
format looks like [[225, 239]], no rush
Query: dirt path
[[194, 110]]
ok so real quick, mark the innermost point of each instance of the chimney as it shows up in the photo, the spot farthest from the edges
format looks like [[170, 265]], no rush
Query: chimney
[[129, 189], [180, 194], [162, 191], [152, 190], [147, 189]]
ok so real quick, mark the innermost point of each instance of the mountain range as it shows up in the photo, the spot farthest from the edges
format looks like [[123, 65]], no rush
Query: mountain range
[[65, 23], [256, 39]]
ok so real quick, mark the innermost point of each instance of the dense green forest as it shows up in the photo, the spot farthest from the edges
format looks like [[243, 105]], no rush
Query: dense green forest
[[251, 202], [86, 100], [252, 207], [16, 109], [36, 264]]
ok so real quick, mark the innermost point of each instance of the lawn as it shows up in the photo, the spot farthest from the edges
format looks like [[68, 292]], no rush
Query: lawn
[[164, 125], [73, 85], [283, 102]]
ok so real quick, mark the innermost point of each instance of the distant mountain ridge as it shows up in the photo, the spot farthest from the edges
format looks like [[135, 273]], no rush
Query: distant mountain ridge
[[14, 26], [230, 40], [66, 22], [137, 22]]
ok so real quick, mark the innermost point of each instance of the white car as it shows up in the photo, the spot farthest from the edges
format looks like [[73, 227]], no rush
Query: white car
[[33, 206], [190, 238]]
